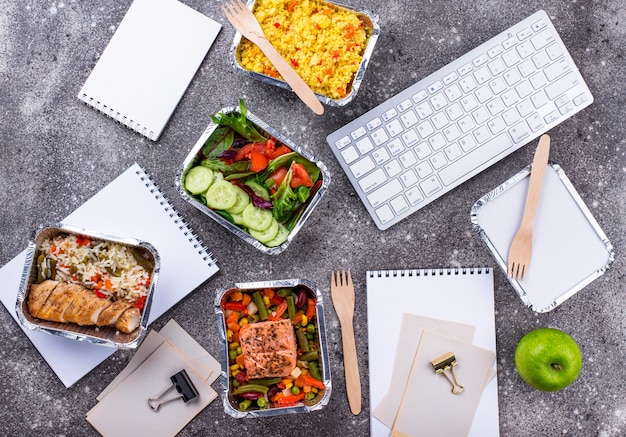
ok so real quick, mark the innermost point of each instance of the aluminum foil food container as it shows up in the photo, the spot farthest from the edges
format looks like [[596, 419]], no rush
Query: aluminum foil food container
[[192, 160], [569, 251], [105, 335], [370, 21], [231, 405]]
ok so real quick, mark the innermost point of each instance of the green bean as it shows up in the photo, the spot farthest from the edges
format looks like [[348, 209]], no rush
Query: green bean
[[310, 328], [291, 306], [250, 388], [265, 381], [314, 370], [245, 404], [302, 340], [141, 260], [309, 356], [261, 403], [295, 390], [258, 301], [284, 292]]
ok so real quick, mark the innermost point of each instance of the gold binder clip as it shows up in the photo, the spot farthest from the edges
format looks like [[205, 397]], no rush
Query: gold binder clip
[[183, 385], [444, 363]]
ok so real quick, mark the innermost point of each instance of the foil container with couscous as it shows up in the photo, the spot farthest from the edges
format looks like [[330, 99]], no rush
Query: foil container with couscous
[[327, 44], [88, 286], [273, 348]]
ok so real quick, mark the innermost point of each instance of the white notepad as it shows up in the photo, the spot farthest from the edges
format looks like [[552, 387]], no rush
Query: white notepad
[[462, 295], [130, 206], [149, 63]]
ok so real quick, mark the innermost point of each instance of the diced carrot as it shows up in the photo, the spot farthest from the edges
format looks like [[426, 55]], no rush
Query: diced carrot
[[232, 318], [280, 310], [234, 327], [291, 5], [283, 400], [237, 296], [235, 337], [107, 284], [239, 360], [310, 309], [246, 299], [309, 380], [299, 382], [268, 292]]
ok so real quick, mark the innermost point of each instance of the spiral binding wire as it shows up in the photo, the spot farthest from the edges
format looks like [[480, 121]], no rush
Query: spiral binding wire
[[430, 272], [191, 236], [112, 113]]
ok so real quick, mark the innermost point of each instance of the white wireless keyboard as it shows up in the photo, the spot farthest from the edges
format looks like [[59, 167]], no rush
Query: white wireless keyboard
[[446, 128]]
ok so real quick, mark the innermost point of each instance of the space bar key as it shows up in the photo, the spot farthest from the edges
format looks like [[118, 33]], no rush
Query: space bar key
[[475, 158]]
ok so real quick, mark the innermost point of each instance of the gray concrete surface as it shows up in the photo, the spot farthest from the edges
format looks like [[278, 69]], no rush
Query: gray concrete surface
[[56, 153]]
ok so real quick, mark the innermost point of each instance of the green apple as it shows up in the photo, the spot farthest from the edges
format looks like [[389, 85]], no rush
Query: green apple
[[548, 359]]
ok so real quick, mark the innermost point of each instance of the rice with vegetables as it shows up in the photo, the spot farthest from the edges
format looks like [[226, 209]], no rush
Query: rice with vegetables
[[322, 42], [110, 269]]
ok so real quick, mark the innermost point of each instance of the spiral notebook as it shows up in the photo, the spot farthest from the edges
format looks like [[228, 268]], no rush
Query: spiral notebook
[[458, 295], [149, 63], [132, 205]]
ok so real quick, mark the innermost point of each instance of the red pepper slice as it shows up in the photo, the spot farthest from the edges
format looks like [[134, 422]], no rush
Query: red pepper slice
[[234, 306]]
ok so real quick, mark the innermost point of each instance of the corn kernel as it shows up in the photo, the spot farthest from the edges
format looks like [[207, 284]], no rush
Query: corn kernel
[[304, 321], [266, 300], [234, 367], [229, 335], [233, 345]]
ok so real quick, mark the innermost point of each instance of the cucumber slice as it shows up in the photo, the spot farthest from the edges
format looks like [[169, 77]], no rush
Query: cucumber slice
[[256, 218], [221, 195], [258, 189], [219, 176], [280, 237], [267, 234], [237, 219], [198, 179], [242, 201]]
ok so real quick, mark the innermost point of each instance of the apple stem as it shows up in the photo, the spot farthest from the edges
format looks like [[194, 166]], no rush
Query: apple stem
[[556, 366]]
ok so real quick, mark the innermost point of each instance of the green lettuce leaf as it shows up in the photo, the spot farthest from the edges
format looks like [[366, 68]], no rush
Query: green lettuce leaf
[[239, 123]]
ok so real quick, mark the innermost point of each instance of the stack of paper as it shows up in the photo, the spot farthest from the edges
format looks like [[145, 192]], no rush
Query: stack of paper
[[123, 408], [418, 396]]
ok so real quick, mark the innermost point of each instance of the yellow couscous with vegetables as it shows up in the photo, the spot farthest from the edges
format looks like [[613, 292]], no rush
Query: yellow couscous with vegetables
[[322, 42]]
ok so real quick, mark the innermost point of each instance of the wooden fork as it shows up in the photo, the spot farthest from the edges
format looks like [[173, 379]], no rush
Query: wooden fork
[[246, 23], [521, 247], [342, 293]]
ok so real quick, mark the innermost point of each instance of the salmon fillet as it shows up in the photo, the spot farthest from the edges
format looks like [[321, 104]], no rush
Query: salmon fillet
[[269, 348]]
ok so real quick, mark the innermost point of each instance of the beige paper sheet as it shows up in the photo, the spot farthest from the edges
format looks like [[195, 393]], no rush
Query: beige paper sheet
[[428, 407], [411, 330], [125, 410]]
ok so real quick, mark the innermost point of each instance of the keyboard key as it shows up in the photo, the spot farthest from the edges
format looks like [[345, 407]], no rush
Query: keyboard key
[[564, 99], [467, 124], [524, 89], [496, 67], [436, 86], [556, 69], [467, 84], [496, 125], [342, 142], [525, 49], [523, 34], [437, 141], [374, 123], [467, 143], [423, 169], [381, 156], [423, 110], [451, 77], [409, 118], [539, 99], [419, 96], [519, 131], [431, 185], [407, 159], [497, 85], [399, 205], [495, 51], [527, 68], [452, 132], [384, 193], [373, 180], [350, 155], [438, 160], [408, 178], [453, 92], [364, 145], [580, 99], [380, 136], [510, 116], [414, 195], [393, 168], [483, 93], [551, 117], [452, 152], [510, 42], [425, 129], [362, 167], [481, 115], [561, 85], [438, 101], [358, 133], [511, 58], [439, 120], [538, 25], [482, 75], [541, 59], [469, 102], [395, 147], [394, 127], [410, 137], [495, 106], [566, 108], [422, 151], [385, 215], [524, 108], [475, 158], [554, 51], [538, 80], [480, 60], [406, 104], [463, 70], [512, 77], [482, 134], [389, 114], [454, 111], [542, 39], [509, 97], [535, 122]]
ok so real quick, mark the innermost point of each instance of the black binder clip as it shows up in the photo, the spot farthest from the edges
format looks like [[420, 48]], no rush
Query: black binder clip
[[443, 364], [183, 385]]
